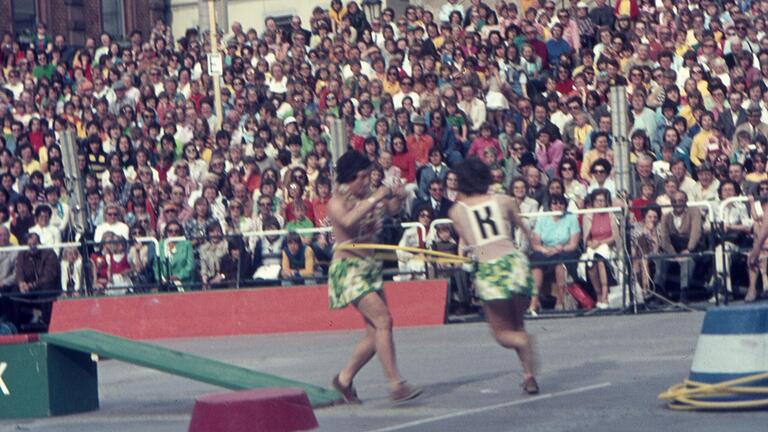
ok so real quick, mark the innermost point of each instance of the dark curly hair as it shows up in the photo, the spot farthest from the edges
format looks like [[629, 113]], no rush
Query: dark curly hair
[[474, 176]]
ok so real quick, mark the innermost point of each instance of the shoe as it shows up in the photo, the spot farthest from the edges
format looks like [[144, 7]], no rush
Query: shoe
[[601, 305], [404, 392], [532, 312], [349, 394], [716, 298], [530, 386], [750, 297]]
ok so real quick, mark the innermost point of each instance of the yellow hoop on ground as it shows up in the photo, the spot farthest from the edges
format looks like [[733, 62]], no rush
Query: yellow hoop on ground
[[429, 255], [693, 395]]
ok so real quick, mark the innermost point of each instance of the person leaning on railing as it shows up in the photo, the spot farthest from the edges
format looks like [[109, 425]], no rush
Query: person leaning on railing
[[555, 239], [298, 260]]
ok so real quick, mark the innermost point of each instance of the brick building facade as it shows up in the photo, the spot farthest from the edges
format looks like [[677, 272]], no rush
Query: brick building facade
[[78, 19]]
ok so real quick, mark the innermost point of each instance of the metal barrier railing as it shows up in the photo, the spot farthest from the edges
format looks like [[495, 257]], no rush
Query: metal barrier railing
[[624, 277]]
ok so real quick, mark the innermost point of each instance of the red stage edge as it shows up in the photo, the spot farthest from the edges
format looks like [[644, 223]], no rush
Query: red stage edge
[[245, 311]]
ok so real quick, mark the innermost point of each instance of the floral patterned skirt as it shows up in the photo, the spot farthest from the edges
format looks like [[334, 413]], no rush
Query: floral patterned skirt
[[349, 279], [502, 277]]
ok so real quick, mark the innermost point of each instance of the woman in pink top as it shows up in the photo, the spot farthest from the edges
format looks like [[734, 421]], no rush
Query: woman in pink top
[[484, 141], [601, 232]]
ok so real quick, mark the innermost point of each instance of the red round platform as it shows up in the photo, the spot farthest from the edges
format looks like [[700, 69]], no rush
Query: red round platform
[[263, 410]]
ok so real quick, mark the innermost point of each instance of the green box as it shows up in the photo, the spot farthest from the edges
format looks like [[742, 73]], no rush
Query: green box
[[41, 380]]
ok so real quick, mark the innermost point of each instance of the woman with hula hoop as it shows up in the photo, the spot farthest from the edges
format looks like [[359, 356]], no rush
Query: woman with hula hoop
[[355, 277]]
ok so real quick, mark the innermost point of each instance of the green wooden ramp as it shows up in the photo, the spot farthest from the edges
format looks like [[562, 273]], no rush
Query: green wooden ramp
[[182, 364]]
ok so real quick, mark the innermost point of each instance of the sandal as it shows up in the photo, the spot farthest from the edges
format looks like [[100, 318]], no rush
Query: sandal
[[530, 386], [348, 393], [404, 392]]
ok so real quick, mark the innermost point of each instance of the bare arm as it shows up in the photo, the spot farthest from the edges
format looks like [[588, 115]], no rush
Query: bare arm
[[513, 213], [346, 218]]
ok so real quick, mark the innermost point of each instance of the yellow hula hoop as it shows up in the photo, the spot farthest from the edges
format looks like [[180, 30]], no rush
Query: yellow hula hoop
[[692, 395], [391, 256], [448, 257]]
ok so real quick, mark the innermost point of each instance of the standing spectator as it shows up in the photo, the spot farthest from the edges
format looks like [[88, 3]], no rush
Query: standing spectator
[[37, 273], [680, 234]]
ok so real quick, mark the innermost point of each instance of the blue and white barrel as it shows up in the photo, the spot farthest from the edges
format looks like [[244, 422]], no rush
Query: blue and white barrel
[[733, 344]]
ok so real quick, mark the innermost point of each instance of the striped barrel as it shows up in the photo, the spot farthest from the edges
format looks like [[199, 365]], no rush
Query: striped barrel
[[733, 344]]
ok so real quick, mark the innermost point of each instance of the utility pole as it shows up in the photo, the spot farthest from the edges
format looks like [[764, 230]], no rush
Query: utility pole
[[215, 62]]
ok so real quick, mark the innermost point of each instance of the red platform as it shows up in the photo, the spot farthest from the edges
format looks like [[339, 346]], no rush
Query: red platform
[[266, 410], [18, 339], [246, 311]]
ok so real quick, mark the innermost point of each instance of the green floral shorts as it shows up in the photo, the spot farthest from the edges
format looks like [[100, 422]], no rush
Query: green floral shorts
[[349, 279], [500, 278]]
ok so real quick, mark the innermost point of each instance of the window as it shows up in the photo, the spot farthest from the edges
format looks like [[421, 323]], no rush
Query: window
[[24, 17], [113, 18]]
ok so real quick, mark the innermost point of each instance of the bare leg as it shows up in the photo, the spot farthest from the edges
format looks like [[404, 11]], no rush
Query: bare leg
[[560, 274], [538, 280], [374, 308], [603, 274], [506, 320], [362, 354], [594, 279]]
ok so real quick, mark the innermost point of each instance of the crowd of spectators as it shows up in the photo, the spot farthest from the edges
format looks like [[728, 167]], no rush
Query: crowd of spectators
[[523, 86]]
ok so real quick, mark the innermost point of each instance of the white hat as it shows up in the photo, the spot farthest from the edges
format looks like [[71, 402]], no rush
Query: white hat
[[581, 4], [288, 120]]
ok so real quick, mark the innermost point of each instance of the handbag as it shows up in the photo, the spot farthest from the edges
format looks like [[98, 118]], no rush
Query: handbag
[[581, 296]]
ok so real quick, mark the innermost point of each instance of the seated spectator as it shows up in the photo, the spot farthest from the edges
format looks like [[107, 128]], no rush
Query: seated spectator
[[141, 256], [298, 260], [112, 223], [680, 234], [235, 266], [71, 271], [646, 241], [412, 266], [437, 202], [575, 191], [175, 263], [38, 277], [665, 199], [555, 239], [737, 234], [267, 255], [49, 234], [601, 173], [600, 236], [211, 253], [300, 221], [434, 170], [458, 284]]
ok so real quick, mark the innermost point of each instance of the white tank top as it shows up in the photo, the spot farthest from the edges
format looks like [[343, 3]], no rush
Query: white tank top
[[489, 233]]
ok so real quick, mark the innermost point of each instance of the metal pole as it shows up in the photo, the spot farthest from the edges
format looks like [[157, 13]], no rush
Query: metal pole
[[618, 101], [76, 183], [213, 32], [338, 139]]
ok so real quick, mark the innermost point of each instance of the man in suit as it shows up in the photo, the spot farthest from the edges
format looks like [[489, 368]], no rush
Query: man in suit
[[540, 122], [434, 170], [753, 125], [436, 201], [732, 118], [680, 233]]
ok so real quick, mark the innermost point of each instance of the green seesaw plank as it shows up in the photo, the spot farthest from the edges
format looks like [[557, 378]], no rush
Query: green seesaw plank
[[182, 364]]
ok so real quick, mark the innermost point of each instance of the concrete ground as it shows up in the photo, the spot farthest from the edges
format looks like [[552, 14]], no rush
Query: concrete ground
[[597, 374]]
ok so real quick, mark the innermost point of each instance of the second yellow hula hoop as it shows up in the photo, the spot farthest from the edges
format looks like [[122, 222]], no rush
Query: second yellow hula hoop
[[442, 257]]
